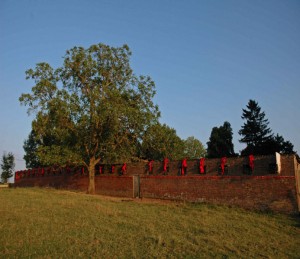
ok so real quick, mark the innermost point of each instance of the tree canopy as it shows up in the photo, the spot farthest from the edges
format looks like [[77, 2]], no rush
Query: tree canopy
[[258, 136], [220, 142], [91, 108], [162, 141], [193, 148], [7, 166]]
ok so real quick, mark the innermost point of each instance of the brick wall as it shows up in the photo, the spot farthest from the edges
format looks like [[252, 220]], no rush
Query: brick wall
[[268, 192], [118, 186], [275, 193], [235, 166], [287, 165]]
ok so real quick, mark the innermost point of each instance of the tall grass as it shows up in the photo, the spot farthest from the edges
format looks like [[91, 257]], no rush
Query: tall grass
[[49, 223]]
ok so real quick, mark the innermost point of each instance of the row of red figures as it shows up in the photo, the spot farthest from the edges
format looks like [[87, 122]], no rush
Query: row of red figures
[[42, 171], [183, 166]]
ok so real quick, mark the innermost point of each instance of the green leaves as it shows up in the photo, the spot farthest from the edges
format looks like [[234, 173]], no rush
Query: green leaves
[[7, 166], [258, 136], [162, 141], [220, 142], [92, 107]]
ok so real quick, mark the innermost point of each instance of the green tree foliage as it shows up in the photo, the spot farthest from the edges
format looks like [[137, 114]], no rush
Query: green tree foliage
[[255, 131], [31, 147], [282, 146], [258, 136], [91, 108], [220, 142], [7, 166], [193, 148], [162, 141]]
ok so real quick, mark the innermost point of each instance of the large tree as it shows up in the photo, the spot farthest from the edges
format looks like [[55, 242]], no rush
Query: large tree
[[220, 142], [162, 141], [255, 131], [7, 166], [91, 108], [258, 136], [193, 148]]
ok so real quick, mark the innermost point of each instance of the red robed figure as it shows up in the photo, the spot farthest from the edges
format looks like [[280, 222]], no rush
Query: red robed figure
[[150, 166], [17, 176], [183, 166], [223, 163], [100, 169], [166, 162], [201, 165], [112, 169], [251, 162], [124, 168]]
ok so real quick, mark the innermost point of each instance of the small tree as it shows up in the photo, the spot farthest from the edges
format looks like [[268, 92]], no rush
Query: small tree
[[193, 148], [220, 142], [7, 166]]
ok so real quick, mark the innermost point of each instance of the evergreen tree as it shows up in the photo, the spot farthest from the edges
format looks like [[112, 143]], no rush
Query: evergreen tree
[[7, 166], [258, 136], [220, 142], [255, 131]]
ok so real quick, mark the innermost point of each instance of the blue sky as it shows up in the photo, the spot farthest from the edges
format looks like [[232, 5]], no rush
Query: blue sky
[[207, 58]]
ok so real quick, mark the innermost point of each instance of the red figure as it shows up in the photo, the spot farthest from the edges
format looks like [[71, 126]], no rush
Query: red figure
[[201, 165], [223, 163], [112, 169], [183, 166], [17, 176], [251, 162], [82, 170], [100, 169], [166, 162], [150, 166], [124, 168]]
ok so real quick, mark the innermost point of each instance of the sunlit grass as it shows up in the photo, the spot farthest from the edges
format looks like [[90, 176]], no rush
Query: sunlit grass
[[52, 223]]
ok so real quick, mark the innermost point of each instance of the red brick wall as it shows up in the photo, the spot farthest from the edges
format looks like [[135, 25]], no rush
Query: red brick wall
[[119, 186], [235, 166], [287, 165], [269, 192], [274, 193]]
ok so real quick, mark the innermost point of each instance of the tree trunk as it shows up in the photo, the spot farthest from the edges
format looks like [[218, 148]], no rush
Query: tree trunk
[[91, 189]]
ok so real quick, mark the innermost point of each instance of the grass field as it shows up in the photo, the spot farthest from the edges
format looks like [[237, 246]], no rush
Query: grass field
[[47, 223]]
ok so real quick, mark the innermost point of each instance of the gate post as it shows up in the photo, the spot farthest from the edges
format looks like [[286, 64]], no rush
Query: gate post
[[136, 186]]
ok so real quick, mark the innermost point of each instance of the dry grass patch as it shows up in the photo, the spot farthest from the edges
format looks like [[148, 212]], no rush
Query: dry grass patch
[[52, 223]]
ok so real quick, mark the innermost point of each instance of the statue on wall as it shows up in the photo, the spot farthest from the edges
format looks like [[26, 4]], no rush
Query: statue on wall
[[165, 165], [223, 164], [202, 165], [124, 169], [150, 166], [183, 166], [251, 162]]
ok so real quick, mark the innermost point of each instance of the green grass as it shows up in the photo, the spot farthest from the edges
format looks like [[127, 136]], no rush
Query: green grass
[[47, 223]]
